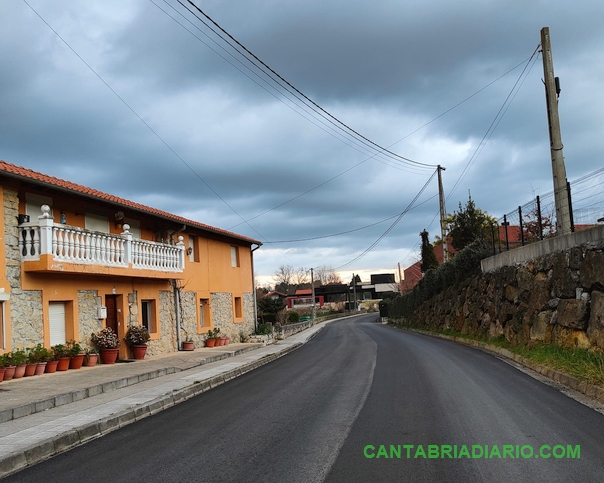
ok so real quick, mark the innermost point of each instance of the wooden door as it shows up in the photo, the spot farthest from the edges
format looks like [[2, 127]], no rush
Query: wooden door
[[111, 304]]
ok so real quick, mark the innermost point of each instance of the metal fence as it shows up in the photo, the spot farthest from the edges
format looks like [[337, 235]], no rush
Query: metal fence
[[536, 219]]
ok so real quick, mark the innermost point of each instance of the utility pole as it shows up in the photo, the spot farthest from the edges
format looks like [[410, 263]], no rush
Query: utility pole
[[312, 285], [400, 279], [354, 282], [443, 225], [552, 91]]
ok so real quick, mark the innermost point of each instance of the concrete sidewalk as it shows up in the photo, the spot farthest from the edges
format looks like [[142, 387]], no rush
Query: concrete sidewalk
[[42, 416]]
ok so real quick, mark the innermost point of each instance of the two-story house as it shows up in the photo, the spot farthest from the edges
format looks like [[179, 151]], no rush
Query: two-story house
[[78, 260]]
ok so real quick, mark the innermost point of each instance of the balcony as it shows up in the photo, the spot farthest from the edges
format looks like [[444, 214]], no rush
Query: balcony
[[48, 246]]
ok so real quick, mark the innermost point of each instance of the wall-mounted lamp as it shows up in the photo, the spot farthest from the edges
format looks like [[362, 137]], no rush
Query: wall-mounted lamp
[[189, 250], [119, 219]]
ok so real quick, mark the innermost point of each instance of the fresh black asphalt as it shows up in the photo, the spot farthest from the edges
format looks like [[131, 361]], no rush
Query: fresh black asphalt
[[311, 415]]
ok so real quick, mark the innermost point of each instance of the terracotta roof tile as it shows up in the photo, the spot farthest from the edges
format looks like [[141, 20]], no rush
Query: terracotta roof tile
[[24, 173]]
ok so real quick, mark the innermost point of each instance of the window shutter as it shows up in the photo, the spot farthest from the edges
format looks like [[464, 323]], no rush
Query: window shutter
[[56, 315]]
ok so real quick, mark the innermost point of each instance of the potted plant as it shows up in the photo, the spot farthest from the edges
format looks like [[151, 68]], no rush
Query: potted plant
[[61, 353], [91, 357], [3, 364], [210, 338], [19, 360], [41, 355], [31, 363], [9, 365], [108, 344], [187, 344], [76, 353], [137, 337]]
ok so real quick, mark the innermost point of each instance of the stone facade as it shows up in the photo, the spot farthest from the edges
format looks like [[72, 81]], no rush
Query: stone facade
[[88, 315], [26, 305], [557, 298], [222, 315]]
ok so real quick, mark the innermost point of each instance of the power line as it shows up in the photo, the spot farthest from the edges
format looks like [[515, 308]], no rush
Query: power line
[[353, 230], [374, 244], [290, 87], [492, 126]]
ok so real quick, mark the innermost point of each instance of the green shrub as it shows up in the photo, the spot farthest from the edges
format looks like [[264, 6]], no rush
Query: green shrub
[[464, 265], [293, 317], [264, 329]]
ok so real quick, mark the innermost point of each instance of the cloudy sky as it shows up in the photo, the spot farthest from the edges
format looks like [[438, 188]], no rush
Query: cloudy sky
[[140, 99]]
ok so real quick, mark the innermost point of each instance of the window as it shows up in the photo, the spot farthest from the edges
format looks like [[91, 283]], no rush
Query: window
[[148, 315], [33, 205], [97, 223], [204, 313], [234, 256], [56, 317], [238, 308], [192, 250]]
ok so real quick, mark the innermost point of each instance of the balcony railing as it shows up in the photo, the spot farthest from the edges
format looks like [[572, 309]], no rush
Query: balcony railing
[[77, 245]]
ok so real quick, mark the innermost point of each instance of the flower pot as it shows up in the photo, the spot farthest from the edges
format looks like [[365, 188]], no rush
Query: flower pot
[[138, 351], [91, 360], [9, 373], [40, 368], [19, 371], [2, 371], [76, 361], [51, 367], [63, 364], [210, 342], [109, 356], [187, 346], [30, 369], [224, 340]]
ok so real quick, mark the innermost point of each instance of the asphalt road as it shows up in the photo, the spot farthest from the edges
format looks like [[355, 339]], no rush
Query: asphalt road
[[322, 413]]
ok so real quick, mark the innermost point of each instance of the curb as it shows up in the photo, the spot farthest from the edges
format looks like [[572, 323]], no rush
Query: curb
[[41, 451], [590, 390], [73, 396]]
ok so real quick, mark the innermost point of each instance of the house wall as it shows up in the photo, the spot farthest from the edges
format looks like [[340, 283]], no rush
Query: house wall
[[210, 277]]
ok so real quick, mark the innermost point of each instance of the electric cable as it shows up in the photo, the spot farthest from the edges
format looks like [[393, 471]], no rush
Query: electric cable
[[338, 122], [374, 244]]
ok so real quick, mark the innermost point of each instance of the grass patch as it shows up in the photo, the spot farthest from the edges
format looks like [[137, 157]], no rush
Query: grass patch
[[583, 364]]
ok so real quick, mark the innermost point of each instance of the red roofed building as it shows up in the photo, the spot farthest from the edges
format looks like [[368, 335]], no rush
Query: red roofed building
[[78, 260]]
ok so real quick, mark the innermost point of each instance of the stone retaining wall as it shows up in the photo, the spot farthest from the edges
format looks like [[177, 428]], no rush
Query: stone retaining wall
[[557, 298]]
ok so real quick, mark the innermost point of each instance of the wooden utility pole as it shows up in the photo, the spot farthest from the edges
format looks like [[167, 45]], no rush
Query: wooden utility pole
[[552, 90], [443, 225]]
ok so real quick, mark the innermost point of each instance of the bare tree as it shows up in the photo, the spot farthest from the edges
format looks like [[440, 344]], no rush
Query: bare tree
[[327, 275], [283, 277], [302, 276]]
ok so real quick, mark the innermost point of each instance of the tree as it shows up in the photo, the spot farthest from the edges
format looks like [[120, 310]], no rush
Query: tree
[[302, 276], [268, 305], [283, 278], [428, 258], [327, 275], [469, 224]]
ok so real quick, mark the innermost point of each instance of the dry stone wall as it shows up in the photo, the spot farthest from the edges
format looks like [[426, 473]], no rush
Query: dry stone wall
[[555, 299]]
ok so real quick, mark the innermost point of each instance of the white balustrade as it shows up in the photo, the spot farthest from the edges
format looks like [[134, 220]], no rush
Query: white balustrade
[[76, 245]]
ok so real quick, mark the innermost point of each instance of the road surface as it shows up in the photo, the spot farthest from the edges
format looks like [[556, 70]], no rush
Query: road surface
[[359, 402]]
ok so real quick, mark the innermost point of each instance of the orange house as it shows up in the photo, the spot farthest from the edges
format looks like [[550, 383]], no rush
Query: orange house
[[78, 260]]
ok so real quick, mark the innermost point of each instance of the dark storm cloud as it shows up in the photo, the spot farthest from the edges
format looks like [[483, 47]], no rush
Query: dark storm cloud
[[385, 68]]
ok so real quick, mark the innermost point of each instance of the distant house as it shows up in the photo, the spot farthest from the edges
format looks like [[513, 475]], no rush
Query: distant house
[[335, 293], [77, 260], [274, 295]]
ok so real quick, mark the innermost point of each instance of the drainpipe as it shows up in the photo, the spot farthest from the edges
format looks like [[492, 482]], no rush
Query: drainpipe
[[177, 310], [254, 290]]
